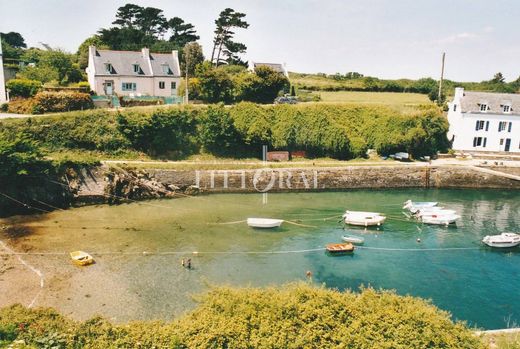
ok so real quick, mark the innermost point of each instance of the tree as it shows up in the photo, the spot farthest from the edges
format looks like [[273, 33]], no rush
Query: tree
[[192, 56], [261, 87], [58, 60], [215, 84], [14, 39], [82, 53], [182, 33], [227, 20], [498, 78], [217, 132]]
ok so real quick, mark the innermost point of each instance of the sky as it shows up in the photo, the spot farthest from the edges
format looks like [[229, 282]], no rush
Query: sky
[[381, 38]]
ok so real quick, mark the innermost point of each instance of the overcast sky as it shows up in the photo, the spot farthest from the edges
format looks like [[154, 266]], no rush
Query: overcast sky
[[382, 38]]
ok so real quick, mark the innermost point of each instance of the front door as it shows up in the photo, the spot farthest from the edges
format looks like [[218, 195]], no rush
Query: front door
[[109, 88], [508, 144]]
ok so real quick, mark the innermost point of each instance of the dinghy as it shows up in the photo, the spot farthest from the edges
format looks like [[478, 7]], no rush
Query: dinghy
[[340, 248], [264, 223], [363, 218], [504, 240], [440, 219], [426, 212], [409, 204], [357, 240], [81, 258]]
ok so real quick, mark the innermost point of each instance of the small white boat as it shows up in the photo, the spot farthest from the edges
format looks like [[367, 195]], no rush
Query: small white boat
[[357, 240], [503, 240], [81, 258], [440, 219], [401, 156], [363, 218], [423, 213], [408, 204], [264, 222], [415, 209]]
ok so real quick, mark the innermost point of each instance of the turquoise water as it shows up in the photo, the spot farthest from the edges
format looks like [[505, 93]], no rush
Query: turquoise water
[[459, 275]]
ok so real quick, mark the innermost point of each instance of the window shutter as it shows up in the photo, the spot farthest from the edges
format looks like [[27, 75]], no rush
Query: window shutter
[[474, 141], [476, 126], [510, 125], [485, 141], [487, 125]]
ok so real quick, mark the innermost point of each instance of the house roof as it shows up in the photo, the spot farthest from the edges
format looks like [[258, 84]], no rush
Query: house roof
[[123, 63], [274, 66], [472, 100]]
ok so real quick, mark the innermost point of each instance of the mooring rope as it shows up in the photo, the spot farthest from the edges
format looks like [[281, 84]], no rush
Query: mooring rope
[[30, 267], [417, 249]]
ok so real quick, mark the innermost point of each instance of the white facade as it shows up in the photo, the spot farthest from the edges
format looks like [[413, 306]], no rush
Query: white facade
[[129, 73], [481, 121], [3, 91]]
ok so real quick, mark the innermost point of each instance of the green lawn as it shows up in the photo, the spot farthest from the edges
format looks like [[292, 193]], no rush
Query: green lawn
[[384, 98]]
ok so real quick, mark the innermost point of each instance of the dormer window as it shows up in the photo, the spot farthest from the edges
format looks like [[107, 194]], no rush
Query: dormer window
[[483, 107], [506, 108], [136, 68], [109, 69], [166, 69]]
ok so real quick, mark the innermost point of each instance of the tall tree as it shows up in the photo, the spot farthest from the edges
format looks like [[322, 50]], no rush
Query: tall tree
[[14, 39], [498, 78], [182, 33], [222, 43], [192, 56]]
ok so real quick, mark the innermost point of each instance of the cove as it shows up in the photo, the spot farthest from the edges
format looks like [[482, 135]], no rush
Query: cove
[[138, 248]]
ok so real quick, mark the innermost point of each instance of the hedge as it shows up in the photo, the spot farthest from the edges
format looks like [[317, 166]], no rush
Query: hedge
[[290, 316], [337, 131], [23, 87], [52, 102]]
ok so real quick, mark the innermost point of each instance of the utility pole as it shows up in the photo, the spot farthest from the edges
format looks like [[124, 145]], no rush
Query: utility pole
[[3, 93], [186, 91], [442, 77]]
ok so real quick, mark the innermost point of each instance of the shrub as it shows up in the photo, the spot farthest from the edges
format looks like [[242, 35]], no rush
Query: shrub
[[84, 86], [23, 87], [21, 106], [217, 133], [49, 102]]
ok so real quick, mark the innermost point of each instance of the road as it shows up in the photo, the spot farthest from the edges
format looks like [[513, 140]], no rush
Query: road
[[16, 116]]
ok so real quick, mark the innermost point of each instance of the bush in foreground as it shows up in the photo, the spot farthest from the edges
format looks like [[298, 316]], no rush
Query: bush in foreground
[[291, 316]]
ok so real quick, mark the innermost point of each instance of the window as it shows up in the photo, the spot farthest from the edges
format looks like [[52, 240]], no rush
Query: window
[[161, 85], [454, 107], [166, 69], [480, 142], [502, 126], [109, 69], [501, 141], [173, 85], [129, 86], [137, 68], [506, 108], [479, 125], [510, 126], [483, 107]]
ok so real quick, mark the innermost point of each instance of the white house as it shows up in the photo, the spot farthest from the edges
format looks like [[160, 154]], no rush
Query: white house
[[133, 73], [3, 93], [483, 121], [278, 67]]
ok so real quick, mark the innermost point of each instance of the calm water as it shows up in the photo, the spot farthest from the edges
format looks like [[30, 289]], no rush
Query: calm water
[[476, 284]]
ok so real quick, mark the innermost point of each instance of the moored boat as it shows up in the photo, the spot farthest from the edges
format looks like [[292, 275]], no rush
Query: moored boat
[[418, 204], [427, 212], [340, 248], [357, 240], [504, 240], [440, 219], [264, 222], [363, 218], [81, 258]]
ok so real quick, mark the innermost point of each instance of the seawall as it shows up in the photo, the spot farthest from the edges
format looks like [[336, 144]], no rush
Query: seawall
[[104, 183]]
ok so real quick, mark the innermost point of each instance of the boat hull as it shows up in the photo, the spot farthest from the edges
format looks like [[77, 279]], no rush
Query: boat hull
[[81, 258], [340, 248], [264, 223], [504, 240], [353, 239]]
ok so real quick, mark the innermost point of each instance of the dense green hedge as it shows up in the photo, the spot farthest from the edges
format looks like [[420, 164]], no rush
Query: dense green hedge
[[292, 316], [23, 87], [337, 131]]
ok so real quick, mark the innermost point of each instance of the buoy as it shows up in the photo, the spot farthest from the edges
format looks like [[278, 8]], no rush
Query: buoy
[[418, 240], [308, 274]]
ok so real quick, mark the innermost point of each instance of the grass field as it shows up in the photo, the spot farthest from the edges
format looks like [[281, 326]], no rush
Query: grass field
[[385, 98]]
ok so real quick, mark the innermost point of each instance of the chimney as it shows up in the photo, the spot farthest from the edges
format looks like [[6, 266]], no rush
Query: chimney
[[459, 93], [146, 52], [92, 50]]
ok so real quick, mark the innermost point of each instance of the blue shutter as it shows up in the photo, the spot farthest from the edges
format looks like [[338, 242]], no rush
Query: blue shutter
[[487, 125], [476, 126], [485, 141], [510, 125], [474, 141]]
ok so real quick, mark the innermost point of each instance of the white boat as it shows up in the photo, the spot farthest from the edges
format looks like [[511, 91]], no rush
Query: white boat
[[414, 209], [357, 240], [409, 204], [425, 212], [440, 219], [363, 218], [264, 222], [503, 240]]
